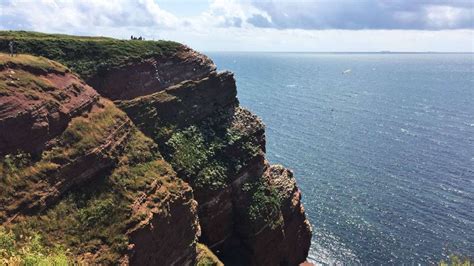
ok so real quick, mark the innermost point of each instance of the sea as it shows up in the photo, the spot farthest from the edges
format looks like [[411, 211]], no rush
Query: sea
[[382, 147]]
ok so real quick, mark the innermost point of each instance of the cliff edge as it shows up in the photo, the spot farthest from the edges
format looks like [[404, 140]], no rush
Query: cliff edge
[[132, 152]]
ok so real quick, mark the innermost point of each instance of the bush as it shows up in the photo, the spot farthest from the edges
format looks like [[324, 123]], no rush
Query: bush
[[213, 176], [189, 152], [265, 202]]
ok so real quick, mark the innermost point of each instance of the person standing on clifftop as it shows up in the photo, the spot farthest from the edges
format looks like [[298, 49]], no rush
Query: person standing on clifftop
[[11, 45]]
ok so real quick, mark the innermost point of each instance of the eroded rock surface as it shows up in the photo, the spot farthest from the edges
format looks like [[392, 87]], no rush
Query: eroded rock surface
[[37, 102], [95, 185], [147, 76], [230, 162]]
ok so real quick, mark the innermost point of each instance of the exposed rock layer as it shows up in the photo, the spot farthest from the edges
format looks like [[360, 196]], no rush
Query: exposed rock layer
[[36, 105], [164, 239], [152, 75], [223, 213], [96, 178], [183, 104]]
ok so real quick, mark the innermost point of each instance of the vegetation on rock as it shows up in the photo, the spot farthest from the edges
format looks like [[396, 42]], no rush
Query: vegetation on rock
[[22, 78], [205, 257], [211, 152], [96, 217], [455, 260], [29, 251], [86, 56], [21, 172], [265, 202]]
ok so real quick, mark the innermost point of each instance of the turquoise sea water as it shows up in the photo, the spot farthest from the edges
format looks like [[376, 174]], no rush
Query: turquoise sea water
[[384, 154]]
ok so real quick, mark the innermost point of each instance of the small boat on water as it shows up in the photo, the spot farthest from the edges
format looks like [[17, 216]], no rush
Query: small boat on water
[[347, 71]]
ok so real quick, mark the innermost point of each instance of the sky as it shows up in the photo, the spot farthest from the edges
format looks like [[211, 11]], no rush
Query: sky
[[259, 25]]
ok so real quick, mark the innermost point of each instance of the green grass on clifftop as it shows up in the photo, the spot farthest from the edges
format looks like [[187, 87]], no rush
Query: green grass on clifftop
[[86, 56]]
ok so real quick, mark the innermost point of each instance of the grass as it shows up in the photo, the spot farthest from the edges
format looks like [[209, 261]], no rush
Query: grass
[[265, 202], [22, 173], [19, 74], [34, 63], [205, 257], [82, 135], [87, 56], [96, 217], [85, 133], [19, 250]]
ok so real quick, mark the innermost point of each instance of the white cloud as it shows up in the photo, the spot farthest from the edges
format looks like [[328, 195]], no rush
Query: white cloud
[[368, 14], [448, 16], [67, 16], [232, 25]]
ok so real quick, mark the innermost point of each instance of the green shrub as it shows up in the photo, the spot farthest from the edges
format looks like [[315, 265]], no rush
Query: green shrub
[[455, 260], [208, 154], [189, 152], [212, 176], [98, 211], [7, 243], [265, 202]]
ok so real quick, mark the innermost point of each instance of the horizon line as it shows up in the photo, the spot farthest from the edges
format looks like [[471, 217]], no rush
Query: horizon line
[[340, 52]]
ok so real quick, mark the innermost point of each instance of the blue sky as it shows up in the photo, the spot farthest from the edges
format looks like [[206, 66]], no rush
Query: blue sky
[[259, 25]]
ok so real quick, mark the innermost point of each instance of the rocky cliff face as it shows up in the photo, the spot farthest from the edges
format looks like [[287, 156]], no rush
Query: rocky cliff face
[[244, 203], [95, 185], [200, 173], [143, 77]]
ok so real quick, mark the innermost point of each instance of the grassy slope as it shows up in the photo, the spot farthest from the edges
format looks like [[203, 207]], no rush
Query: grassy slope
[[21, 77], [86, 56], [92, 217]]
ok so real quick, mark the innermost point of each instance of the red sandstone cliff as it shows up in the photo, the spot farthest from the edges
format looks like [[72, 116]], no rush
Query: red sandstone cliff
[[210, 100], [115, 189]]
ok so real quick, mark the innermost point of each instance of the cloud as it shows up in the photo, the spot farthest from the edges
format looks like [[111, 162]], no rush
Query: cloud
[[366, 14], [259, 21], [259, 25], [85, 15], [227, 13]]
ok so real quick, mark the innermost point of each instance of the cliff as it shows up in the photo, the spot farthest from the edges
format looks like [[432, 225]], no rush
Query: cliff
[[172, 161]]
